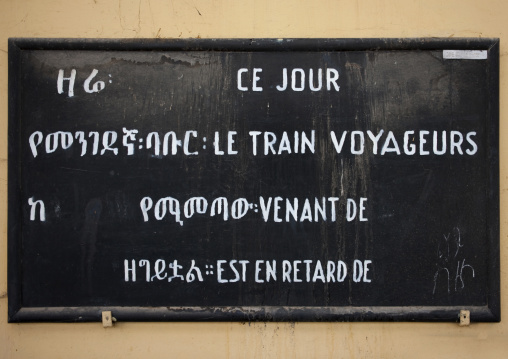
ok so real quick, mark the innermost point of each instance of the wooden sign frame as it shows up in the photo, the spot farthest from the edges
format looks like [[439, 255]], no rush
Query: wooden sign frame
[[25, 305]]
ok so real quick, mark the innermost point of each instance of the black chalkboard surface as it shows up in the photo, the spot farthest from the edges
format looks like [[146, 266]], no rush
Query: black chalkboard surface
[[299, 179]]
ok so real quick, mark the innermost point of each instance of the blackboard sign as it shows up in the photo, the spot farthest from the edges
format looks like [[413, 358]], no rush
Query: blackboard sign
[[305, 179]]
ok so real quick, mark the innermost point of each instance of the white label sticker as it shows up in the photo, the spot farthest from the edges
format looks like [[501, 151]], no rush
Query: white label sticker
[[465, 54]]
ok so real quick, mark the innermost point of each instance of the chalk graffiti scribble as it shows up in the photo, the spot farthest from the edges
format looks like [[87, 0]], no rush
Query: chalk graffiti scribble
[[448, 252]]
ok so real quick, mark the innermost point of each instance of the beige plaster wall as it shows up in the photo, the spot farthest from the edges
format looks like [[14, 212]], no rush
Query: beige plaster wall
[[260, 18]]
